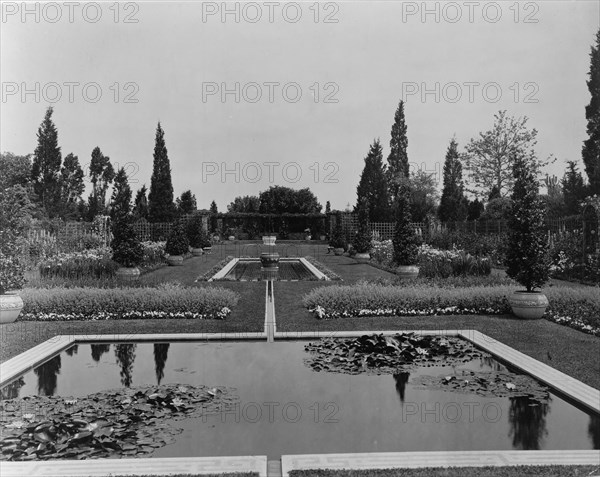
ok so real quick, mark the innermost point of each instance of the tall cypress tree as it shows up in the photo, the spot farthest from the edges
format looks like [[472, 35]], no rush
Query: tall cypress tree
[[102, 174], [452, 201], [161, 207], [398, 167], [45, 170], [591, 146], [373, 185], [213, 217]]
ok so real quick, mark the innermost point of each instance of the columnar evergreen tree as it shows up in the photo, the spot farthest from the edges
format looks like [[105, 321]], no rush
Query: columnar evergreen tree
[[101, 176], [161, 207], [140, 205], [574, 189], [474, 209], [45, 170], [186, 203], [373, 185], [72, 183], [591, 146], [527, 251], [452, 201], [398, 166], [405, 241], [120, 201]]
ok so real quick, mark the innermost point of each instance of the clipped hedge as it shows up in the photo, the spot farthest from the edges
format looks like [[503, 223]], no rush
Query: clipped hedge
[[168, 301]]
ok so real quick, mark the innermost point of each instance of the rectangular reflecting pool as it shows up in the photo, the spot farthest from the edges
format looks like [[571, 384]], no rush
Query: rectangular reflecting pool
[[251, 270], [283, 406]]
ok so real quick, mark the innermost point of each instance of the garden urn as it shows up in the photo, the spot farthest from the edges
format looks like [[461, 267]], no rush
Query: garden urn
[[207, 249], [196, 252], [128, 274], [175, 260], [407, 271], [11, 305], [528, 305], [269, 239], [338, 250]]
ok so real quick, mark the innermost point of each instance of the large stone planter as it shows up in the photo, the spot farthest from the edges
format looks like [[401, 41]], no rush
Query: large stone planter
[[338, 251], [11, 305], [196, 252], [269, 239], [175, 260], [528, 305], [362, 257], [269, 260], [407, 271], [128, 274], [207, 249]]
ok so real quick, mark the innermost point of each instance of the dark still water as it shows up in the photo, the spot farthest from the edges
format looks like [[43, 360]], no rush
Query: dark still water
[[247, 270], [286, 408]]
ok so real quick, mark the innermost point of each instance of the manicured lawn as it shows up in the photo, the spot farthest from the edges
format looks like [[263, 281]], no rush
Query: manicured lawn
[[516, 471]]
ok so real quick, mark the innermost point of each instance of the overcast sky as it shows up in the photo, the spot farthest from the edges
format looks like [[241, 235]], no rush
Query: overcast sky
[[307, 86]]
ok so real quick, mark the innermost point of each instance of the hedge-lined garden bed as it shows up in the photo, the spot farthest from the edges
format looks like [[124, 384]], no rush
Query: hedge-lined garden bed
[[168, 301], [578, 308]]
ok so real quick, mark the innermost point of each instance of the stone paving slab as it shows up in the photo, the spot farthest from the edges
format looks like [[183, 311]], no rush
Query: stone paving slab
[[392, 460], [162, 466]]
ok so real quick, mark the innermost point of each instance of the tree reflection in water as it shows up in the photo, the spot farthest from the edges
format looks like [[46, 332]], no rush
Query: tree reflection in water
[[98, 350], [72, 350], [401, 382], [125, 354], [161, 350], [594, 430], [47, 376], [11, 390], [527, 423]]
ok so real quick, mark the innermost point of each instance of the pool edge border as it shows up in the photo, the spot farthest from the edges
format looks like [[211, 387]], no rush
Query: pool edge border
[[421, 459], [133, 467]]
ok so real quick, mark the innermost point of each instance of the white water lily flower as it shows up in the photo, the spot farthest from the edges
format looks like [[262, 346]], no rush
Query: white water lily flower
[[510, 386]]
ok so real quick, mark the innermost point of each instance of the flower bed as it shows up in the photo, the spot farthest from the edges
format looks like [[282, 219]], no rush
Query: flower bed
[[577, 308], [433, 262], [165, 302]]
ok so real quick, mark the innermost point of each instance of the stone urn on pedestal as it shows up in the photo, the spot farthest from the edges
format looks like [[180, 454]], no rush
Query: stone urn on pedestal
[[269, 258]]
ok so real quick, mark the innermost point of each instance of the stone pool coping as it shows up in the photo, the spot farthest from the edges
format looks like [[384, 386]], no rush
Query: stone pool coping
[[413, 460], [161, 466]]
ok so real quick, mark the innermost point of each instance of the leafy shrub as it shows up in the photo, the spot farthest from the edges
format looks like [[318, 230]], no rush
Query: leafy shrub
[[154, 254], [12, 272], [167, 301], [195, 232], [362, 239], [177, 243], [14, 216], [127, 249]]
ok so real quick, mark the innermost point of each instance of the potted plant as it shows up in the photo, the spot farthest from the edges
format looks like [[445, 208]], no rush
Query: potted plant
[[12, 278], [177, 245], [337, 240], [527, 255], [128, 252], [405, 240], [362, 240], [195, 233]]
